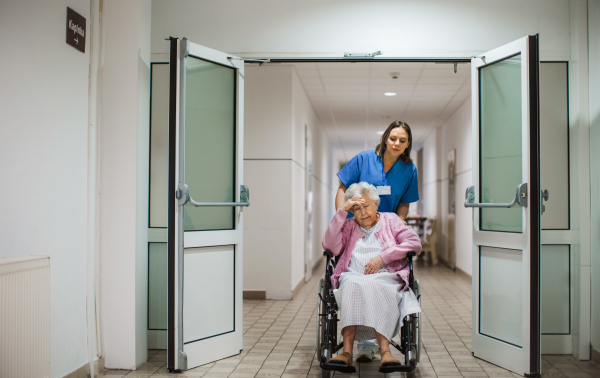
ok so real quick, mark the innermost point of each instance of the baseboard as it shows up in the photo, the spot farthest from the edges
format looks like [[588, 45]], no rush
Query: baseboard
[[595, 355], [84, 371], [297, 288], [445, 263], [255, 294], [99, 366], [462, 274], [459, 272]]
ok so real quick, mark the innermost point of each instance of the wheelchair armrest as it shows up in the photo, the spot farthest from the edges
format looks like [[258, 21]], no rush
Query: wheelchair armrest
[[331, 257]]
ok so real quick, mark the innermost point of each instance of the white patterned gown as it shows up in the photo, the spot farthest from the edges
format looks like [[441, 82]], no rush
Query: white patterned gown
[[369, 301]]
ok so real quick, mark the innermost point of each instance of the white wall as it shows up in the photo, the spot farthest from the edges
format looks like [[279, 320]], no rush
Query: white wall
[[276, 112], [304, 114], [594, 87], [268, 173], [430, 171], [579, 124], [405, 28], [43, 160], [456, 134], [124, 182]]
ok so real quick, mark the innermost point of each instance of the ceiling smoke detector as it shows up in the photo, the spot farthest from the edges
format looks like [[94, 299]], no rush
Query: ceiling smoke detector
[[395, 75]]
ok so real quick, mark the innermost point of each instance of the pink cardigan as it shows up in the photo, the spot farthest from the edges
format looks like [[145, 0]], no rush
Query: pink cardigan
[[396, 239]]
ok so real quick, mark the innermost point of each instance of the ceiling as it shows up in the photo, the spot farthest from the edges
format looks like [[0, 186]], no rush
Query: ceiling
[[350, 102]]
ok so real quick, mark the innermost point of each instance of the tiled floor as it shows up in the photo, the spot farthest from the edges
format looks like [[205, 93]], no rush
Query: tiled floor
[[279, 340]]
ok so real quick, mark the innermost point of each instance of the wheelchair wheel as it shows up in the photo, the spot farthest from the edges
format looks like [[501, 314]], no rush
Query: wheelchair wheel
[[322, 329], [418, 324], [319, 323]]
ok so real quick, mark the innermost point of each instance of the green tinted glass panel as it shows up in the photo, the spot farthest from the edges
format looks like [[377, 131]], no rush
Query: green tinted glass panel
[[556, 287], [209, 144], [501, 143], [158, 272]]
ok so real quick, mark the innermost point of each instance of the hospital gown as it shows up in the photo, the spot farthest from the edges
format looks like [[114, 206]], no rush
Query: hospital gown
[[369, 301]]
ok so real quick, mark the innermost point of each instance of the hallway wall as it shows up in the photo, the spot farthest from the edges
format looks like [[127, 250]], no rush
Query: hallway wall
[[455, 134], [124, 170], [44, 160], [276, 110]]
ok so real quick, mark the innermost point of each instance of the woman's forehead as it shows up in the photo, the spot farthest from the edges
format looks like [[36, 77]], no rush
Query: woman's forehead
[[366, 198], [399, 132]]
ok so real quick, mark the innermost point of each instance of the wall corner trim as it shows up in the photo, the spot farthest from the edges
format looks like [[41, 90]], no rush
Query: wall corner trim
[[255, 294]]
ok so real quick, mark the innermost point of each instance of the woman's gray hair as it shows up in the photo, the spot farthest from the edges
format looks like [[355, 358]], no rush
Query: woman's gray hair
[[357, 190]]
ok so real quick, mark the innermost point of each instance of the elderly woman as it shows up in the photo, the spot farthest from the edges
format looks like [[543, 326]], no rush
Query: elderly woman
[[372, 271]]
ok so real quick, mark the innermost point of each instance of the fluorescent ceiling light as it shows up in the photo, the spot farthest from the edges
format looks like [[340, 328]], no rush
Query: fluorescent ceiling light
[[380, 133], [390, 93]]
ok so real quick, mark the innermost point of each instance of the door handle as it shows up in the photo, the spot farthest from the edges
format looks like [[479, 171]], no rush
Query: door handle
[[183, 195], [520, 198], [545, 197]]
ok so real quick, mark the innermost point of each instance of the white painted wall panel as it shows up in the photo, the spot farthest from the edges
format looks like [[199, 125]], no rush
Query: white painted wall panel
[[268, 227], [268, 112], [124, 180], [44, 157], [456, 135], [424, 28]]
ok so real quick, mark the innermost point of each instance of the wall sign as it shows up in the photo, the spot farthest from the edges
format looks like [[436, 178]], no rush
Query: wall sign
[[75, 30]]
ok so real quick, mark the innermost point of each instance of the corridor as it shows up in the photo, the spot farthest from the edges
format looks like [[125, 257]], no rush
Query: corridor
[[279, 340]]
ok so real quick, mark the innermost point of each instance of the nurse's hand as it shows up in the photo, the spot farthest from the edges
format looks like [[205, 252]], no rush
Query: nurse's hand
[[374, 265], [348, 205]]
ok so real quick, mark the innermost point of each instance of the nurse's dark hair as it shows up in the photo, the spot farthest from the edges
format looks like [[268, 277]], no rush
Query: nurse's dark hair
[[381, 147]]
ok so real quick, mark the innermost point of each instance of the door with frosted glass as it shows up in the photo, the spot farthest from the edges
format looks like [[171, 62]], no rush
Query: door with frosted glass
[[505, 198], [206, 198]]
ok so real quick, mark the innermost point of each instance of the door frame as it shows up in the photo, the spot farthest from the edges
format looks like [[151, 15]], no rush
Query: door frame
[[566, 235]]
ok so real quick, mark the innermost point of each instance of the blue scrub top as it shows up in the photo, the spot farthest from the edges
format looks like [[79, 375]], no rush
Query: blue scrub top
[[402, 178]]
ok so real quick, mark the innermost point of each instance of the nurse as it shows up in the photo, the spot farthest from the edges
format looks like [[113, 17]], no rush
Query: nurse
[[391, 170]]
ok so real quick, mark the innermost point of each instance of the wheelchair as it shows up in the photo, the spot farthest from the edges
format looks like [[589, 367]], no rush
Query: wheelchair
[[327, 333]]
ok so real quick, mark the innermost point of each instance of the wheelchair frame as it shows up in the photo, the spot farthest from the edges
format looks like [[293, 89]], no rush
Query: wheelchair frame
[[327, 318]]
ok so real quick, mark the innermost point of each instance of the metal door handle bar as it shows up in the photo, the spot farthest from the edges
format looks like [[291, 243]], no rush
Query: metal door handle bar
[[520, 198], [244, 196]]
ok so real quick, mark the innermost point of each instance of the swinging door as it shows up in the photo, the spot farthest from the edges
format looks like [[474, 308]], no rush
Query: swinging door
[[505, 198], [206, 198]]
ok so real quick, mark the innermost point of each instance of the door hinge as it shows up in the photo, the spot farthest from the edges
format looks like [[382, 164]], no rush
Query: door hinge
[[182, 360], [184, 48]]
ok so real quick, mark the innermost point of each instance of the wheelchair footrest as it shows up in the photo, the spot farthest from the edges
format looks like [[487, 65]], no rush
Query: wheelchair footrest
[[337, 367], [397, 367]]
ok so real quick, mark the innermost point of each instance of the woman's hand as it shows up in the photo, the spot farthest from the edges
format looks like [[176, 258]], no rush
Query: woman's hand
[[374, 265], [348, 205]]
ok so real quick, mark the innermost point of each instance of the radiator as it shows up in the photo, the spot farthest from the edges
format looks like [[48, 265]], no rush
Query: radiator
[[25, 317]]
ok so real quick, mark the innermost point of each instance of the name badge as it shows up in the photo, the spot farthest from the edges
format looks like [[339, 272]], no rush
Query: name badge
[[384, 190]]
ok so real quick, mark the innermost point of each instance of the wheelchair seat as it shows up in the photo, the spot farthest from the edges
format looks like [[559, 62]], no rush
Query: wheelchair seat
[[327, 319]]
